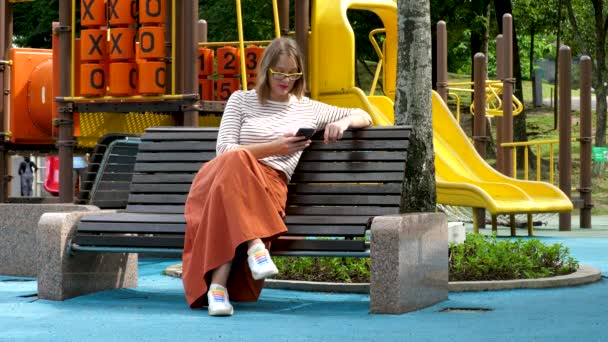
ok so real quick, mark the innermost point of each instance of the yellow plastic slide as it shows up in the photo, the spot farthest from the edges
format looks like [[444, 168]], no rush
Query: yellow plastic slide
[[465, 179]]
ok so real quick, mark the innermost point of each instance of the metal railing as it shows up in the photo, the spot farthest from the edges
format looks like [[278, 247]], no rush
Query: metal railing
[[536, 145], [493, 98]]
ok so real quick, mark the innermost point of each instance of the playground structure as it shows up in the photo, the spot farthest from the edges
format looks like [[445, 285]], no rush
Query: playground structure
[[91, 96], [506, 155]]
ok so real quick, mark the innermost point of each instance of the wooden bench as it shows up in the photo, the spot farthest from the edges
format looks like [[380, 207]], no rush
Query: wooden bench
[[335, 193]]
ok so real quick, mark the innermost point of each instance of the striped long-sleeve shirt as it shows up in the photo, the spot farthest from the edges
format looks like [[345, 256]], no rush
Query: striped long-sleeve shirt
[[245, 121]]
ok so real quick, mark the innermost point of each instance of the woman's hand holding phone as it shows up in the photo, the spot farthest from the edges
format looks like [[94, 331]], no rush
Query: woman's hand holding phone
[[290, 143]]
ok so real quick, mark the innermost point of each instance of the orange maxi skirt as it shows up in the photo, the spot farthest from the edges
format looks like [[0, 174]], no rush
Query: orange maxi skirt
[[233, 199]]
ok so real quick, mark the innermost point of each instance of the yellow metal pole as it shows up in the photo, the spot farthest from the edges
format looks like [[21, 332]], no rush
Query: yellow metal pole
[[475, 223], [538, 165], [239, 19], [551, 164], [216, 44], [526, 163], [173, 50], [275, 14], [72, 51], [514, 162]]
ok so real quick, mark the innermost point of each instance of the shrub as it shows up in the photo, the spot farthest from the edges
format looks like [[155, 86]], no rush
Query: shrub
[[343, 270], [479, 258], [486, 258]]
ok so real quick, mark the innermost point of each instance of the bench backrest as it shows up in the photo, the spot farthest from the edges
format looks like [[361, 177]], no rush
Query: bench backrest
[[108, 176]]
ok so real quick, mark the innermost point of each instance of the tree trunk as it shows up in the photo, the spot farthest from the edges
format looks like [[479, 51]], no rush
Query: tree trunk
[[532, 55], [413, 104], [600, 87]]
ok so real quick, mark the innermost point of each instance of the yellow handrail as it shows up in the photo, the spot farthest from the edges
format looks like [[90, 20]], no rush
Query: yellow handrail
[[216, 44], [239, 23], [457, 106], [493, 97], [527, 145], [372, 39]]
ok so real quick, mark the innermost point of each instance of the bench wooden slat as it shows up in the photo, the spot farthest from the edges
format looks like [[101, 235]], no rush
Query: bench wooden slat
[[167, 167], [132, 227], [157, 198], [175, 156], [370, 177], [378, 132], [160, 241], [371, 189], [160, 188], [294, 199], [324, 199], [346, 231], [155, 241], [324, 220], [303, 167], [177, 136], [163, 178], [365, 145], [133, 217], [154, 208], [179, 228], [349, 167], [353, 155], [388, 188], [341, 210], [318, 245], [168, 146]]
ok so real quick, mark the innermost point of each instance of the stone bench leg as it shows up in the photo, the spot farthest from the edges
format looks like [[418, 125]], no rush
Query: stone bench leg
[[409, 255], [62, 276]]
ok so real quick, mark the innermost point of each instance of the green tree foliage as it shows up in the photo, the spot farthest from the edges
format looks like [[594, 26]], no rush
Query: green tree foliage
[[464, 20], [588, 34], [534, 18], [222, 24], [32, 23]]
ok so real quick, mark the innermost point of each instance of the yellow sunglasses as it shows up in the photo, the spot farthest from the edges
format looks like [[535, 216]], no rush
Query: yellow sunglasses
[[281, 76]]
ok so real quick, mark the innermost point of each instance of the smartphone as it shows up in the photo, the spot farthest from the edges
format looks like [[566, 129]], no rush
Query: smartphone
[[305, 132]]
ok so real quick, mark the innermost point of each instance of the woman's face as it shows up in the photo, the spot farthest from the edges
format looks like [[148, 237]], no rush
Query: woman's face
[[280, 85]]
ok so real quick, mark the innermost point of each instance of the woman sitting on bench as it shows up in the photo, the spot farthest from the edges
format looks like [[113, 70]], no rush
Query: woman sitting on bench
[[237, 200]]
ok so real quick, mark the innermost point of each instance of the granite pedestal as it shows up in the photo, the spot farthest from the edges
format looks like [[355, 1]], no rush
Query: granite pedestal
[[18, 227], [409, 256], [62, 275]]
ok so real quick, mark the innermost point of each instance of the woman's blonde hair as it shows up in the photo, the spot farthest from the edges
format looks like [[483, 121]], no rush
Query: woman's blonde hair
[[279, 46]]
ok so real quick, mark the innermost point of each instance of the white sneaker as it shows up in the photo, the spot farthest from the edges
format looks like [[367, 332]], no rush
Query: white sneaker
[[260, 263], [219, 304]]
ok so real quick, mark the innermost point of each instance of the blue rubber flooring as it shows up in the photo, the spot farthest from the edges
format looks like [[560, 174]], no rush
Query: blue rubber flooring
[[156, 311]]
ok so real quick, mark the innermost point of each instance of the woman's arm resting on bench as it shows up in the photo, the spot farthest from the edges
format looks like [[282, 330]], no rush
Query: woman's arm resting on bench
[[334, 130]]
